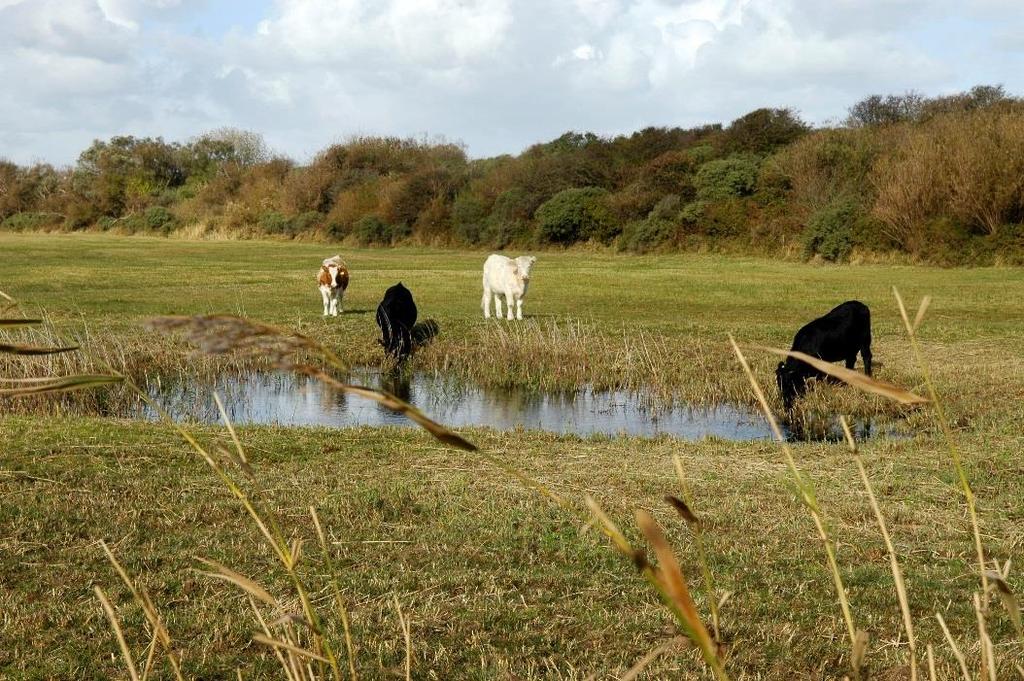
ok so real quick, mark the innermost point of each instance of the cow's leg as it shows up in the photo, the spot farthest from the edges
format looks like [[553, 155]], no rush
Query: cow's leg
[[327, 301], [485, 303], [519, 307], [851, 361], [341, 301], [865, 353], [334, 304], [510, 303], [497, 305]]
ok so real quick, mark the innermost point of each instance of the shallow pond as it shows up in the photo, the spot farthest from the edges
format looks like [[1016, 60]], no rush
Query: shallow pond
[[289, 400]]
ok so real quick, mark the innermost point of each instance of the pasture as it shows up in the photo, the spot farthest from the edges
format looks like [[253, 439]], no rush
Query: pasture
[[496, 580]]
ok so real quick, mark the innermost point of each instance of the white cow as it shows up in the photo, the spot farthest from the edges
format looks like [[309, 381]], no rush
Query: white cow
[[506, 277], [332, 280]]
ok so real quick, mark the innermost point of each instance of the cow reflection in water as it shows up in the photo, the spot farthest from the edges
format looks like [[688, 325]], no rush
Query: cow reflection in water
[[819, 429], [398, 382]]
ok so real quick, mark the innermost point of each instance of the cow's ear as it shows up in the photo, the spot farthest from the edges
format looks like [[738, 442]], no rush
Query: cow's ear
[[779, 368]]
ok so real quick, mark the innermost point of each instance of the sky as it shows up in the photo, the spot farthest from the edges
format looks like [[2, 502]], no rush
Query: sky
[[494, 75]]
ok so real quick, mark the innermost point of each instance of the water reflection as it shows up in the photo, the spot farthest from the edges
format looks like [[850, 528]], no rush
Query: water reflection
[[286, 399]]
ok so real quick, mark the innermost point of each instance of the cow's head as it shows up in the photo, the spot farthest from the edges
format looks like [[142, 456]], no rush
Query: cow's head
[[329, 274], [523, 264], [790, 381]]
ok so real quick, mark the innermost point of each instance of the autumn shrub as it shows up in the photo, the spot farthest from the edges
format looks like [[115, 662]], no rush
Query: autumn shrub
[[643, 236], [433, 223], [966, 167], [671, 173], [632, 202], [725, 219], [468, 216], [354, 203], [825, 165]]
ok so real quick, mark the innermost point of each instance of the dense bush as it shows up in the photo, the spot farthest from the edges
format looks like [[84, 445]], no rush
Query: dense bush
[[830, 231], [936, 178], [275, 223], [966, 167], [576, 215], [371, 230], [763, 131], [159, 219], [643, 236], [27, 222], [727, 178], [468, 217]]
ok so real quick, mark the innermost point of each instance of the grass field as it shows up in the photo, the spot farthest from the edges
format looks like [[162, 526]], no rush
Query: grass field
[[498, 581]]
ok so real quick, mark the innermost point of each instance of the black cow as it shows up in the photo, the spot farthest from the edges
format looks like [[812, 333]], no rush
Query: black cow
[[396, 316], [839, 335]]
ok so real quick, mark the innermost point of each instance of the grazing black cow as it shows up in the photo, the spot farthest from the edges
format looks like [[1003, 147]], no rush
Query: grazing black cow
[[396, 316], [839, 335]]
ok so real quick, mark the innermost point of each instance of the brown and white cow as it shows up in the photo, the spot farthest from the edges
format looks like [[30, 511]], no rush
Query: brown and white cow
[[333, 280]]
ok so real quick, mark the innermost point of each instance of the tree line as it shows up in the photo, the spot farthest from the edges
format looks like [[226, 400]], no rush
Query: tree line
[[936, 179]]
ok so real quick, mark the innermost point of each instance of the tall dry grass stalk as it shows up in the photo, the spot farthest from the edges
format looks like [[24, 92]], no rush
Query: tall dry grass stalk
[[947, 433], [857, 638], [685, 509], [667, 580], [894, 564]]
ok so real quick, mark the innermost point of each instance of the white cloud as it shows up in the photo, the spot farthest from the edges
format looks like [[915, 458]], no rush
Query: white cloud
[[429, 33], [499, 74]]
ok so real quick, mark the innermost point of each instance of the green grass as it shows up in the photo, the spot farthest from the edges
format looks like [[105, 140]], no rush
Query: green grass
[[494, 577]]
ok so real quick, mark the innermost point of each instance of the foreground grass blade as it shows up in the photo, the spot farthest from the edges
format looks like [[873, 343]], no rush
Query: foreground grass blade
[[283, 645], [241, 581], [671, 577], [11, 323], [668, 582], [402, 407], [851, 377], [6, 348], [129, 662], [960, 660], [1008, 598], [894, 565], [947, 433], [160, 633], [33, 386]]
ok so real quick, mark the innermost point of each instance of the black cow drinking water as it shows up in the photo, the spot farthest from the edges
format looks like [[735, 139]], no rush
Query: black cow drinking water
[[839, 335], [396, 316]]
